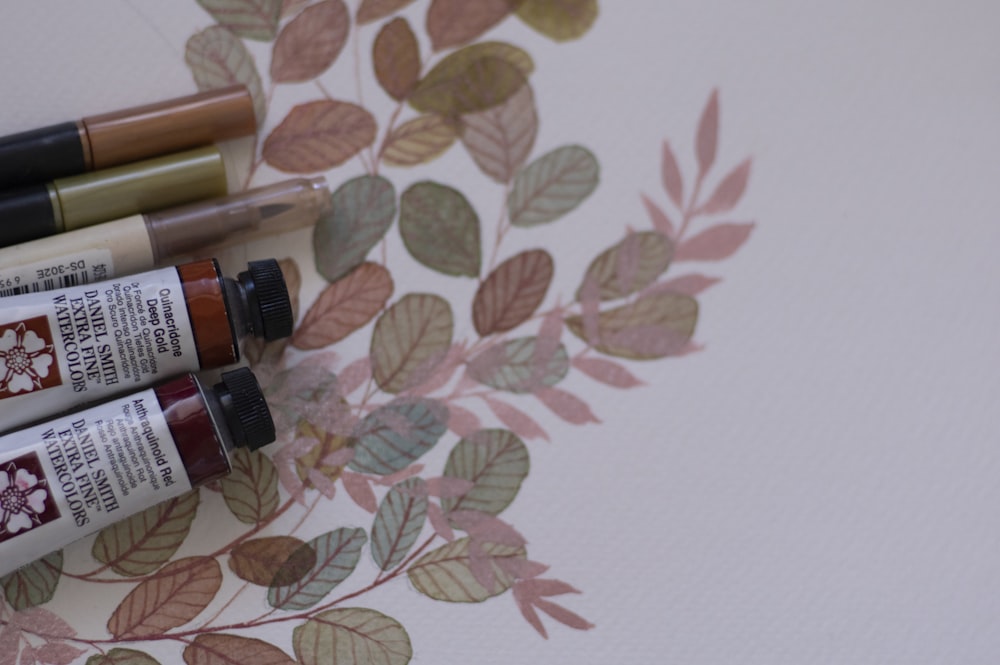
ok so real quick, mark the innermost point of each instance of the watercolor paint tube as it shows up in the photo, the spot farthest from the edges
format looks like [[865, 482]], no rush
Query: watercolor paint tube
[[60, 349], [142, 242], [76, 474], [79, 201], [111, 139]]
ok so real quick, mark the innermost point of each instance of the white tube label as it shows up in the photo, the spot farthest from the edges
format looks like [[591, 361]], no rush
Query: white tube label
[[63, 348], [74, 475], [84, 266]]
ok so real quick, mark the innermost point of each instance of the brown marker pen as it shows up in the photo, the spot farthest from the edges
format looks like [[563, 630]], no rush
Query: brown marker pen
[[79, 473], [63, 348], [102, 141]]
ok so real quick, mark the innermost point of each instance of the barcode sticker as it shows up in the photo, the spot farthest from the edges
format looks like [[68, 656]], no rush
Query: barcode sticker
[[83, 268]]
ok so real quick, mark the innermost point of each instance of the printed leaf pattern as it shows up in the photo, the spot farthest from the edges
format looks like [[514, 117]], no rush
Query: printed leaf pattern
[[144, 542], [517, 420], [363, 210], [654, 326], [272, 561], [397, 434], [317, 136], [223, 649], [561, 20], [511, 293], [455, 22], [607, 372], [398, 522], [409, 340], [418, 141], [500, 138], [715, 243], [253, 19], [670, 172], [33, 584], [309, 44], [119, 656], [552, 185], [251, 490], [373, 10], [397, 58], [440, 229], [707, 140], [337, 553], [344, 306], [171, 598], [496, 462], [352, 635], [631, 265], [218, 59], [473, 78], [729, 192], [446, 574], [521, 365]]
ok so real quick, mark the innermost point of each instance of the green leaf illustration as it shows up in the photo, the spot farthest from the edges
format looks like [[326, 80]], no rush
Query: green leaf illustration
[[561, 20], [353, 635], [363, 210], [253, 19], [398, 522], [337, 554], [629, 266], [119, 656], [251, 490], [473, 78], [272, 560], [223, 649], [522, 365], [144, 542], [654, 326], [394, 436], [511, 293], [217, 59], [496, 461], [552, 185], [35, 583], [440, 228], [444, 573], [410, 339]]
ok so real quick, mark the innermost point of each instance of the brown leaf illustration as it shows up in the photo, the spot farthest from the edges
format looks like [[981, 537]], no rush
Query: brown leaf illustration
[[373, 10], [396, 56], [410, 339], [567, 406], [661, 222], [708, 134], [446, 573], [518, 421], [561, 20], [500, 138], [223, 649], [418, 141], [654, 326], [690, 285], [629, 266], [511, 293], [714, 243], [218, 59], [607, 372], [317, 136], [253, 19], [171, 598], [309, 44], [456, 22], [122, 657], [251, 489], [729, 191], [274, 560], [673, 183], [352, 635], [344, 306]]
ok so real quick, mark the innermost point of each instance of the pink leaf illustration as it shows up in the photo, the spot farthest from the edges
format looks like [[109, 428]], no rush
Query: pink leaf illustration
[[518, 421], [323, 483], [529, 613], [43, 622], [562, 615], [659, 218], [446, 487], [57, 653], [462, 421], [671, 174], [352, 376], [485, 528], [400, 475], [569, 407], [708, 134], [690, 285], [590, 295], [729, 191], [717, 242], [529, 595], [439, 521], [537, 588], [521, 569], [481, 566], [359, 490], [440, 372], [607, 372]]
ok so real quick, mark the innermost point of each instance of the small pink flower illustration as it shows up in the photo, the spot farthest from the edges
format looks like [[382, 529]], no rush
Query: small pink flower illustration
[[22, 499], [24, 359]]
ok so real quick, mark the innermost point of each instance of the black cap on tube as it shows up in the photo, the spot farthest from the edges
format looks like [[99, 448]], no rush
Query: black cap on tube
[[26, 214], [267, 297], [247, 416]]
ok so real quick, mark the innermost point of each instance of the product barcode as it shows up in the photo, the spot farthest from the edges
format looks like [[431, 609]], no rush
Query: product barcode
[[62, 281]]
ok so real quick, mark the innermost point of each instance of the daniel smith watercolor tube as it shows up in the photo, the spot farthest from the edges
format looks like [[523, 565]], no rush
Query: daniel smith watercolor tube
[[83, 200], [141, 242], [76, 474], [60, 349], [102, 141]]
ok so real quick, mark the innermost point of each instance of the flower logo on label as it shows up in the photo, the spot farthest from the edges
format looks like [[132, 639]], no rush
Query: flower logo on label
[[22, 499], [26, 358]]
